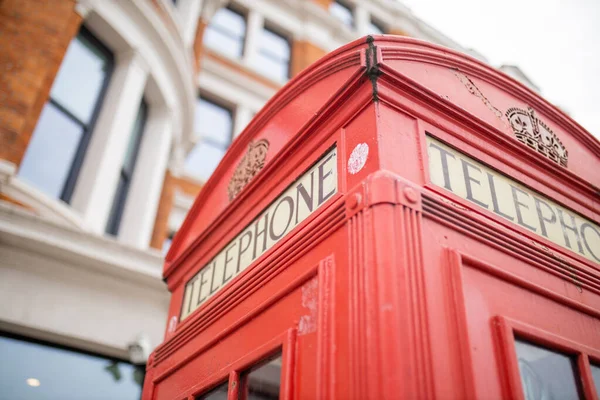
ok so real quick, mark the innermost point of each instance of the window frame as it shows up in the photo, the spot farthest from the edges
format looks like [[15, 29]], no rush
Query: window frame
[[267, 26], [87, 130], [115, 215], [349, 7], [377, 23], [285, 343], [231, 109], [240, 12], [509, 330]]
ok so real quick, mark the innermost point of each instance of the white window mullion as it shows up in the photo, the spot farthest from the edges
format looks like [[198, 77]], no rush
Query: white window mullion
[[362, 19], [96, 184], [144, 192], [253, 31], [243, 116]]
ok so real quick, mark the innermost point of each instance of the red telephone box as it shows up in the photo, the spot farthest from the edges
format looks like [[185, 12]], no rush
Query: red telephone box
[[400, 221]]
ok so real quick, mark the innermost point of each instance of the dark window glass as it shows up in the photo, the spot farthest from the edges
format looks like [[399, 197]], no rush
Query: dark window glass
[[375, 28], [218, 393], [41, 372], [214, 127], [263, 381], [546, 374], [343, 12], [226, 32], [596, 377], [60, 138], [273, 56], [167, 243], [126, 175], [49, 157]]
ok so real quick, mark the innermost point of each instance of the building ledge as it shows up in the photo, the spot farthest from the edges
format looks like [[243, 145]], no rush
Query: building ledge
[[24, 229]]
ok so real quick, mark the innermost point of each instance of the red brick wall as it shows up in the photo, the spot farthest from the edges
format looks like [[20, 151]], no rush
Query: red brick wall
[[304, 53], [34, 36], [170, 185]]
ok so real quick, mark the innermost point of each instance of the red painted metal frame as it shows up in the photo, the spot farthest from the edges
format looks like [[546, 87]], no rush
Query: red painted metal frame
[[395, 287], [507, 331]]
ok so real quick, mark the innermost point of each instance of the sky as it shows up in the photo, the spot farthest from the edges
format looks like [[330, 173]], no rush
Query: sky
[[556, 43]]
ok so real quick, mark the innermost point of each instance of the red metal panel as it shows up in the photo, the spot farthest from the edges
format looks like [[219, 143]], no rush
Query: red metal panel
[[397, 286]]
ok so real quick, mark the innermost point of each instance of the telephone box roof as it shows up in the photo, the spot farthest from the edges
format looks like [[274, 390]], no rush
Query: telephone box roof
[[455, 84]]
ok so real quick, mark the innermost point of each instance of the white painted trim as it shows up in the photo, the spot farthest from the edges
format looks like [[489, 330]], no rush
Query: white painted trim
[[254, 26], [99, 175], [189, 15], [143, 197], [243, 116], [45, 206], [22, 229], [238, 88]]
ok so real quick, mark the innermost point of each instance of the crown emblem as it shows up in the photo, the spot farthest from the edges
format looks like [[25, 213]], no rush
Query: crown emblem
[[533, 132], [250, 165]]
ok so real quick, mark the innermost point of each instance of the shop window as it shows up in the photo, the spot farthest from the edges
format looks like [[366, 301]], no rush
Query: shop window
[[214, 128], [218, 393], [38, 371], [226, 32], [57, 146], [126, 174], [342, 11], [273, 58], [375, 28], [547, 374], [262, 382]]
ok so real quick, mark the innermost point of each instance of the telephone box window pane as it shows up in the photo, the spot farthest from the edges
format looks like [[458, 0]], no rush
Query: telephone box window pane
[[596, 377], [226, 32], [37, 371], [343, 12], [263, 381], [202, 160], [546, 374], [80, 79], [49, 156], [218, 393]]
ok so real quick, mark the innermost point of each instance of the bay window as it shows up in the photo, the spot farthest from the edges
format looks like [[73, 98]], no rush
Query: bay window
[[59, 141]]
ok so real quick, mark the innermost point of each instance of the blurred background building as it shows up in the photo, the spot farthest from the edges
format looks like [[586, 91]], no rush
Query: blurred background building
[[112, 115]]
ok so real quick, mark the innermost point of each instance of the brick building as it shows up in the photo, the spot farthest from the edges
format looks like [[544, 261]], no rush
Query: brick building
[[112, 115]]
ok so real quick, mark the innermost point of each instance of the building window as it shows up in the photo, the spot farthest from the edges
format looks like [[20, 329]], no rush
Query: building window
[[126, 175], [214, 127], [38, 371], [55, 152], [375, 28], [167, 243], [273, 58], [226, 32], [342, 11]]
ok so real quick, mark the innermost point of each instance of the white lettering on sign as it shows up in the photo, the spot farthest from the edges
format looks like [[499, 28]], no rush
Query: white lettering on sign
[[512, 201], [301, 199]]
